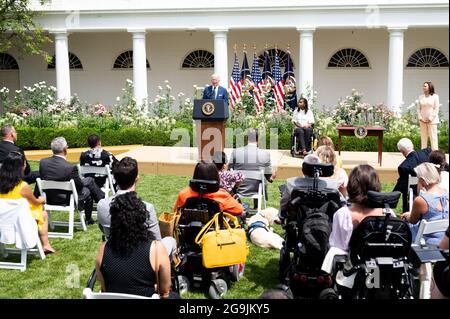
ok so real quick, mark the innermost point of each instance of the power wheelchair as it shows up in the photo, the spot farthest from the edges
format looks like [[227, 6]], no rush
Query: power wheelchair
[[295, 144], [378, 262], [196, 212], [307, 226]]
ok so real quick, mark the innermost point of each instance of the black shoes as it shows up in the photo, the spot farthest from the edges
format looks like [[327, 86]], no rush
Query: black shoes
[[90, 221]]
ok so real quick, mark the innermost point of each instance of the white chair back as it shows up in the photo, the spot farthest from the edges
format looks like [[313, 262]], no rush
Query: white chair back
[[68, 186], [412, 181], [89, 294], [17, 226], [430, 227], [99, 171], [261, 195]]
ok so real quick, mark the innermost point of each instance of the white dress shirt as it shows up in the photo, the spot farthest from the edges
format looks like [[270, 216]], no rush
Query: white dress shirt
[[303, 118]]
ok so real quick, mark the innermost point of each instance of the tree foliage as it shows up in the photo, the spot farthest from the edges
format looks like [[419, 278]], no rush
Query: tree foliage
[[18, 28]]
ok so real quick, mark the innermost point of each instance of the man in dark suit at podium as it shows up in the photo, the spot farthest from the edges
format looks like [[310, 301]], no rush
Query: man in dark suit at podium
[[215, 91]]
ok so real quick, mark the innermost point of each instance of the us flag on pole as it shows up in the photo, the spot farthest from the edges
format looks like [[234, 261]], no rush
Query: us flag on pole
[[279, 84], [258, 84], [235, 87]]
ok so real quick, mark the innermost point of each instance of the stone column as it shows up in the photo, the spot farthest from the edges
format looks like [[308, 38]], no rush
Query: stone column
[[395, 69]]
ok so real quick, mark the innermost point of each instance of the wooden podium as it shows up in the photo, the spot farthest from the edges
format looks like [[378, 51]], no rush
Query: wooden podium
[[210, 116]]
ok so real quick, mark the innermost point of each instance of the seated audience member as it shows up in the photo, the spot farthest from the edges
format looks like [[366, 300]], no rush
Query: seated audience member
[[57, 168], [12, 186], [406, 168], [306, 181], [438, 159], [327, 155], [7, 145], [362, 178], [127, 176], [430, 204], [97, 156], [440, 281], [208, 171], [251, 158], [132, 261], [327, 141], [303, 119], [229, 180]]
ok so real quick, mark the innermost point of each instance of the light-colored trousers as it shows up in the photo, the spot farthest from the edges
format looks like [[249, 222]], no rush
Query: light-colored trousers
[[429, 131]]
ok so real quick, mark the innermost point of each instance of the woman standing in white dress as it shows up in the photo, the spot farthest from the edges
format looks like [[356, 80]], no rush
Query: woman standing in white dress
[[428, 114]]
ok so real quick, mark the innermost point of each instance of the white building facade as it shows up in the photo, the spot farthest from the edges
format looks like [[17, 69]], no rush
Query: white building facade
[[385, 49]]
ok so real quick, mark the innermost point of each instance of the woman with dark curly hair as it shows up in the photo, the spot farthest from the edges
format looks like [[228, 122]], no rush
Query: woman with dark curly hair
[[131, 260], [362, 178], [12, 186]]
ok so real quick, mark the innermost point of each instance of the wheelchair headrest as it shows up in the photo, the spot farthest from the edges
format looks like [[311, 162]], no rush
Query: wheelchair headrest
[[380, 200], [204, 186], [324, 170]]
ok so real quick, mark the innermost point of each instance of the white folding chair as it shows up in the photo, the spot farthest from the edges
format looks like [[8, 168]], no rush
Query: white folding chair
[[99, 171], [426, 228], [69, 186], [89, 294], [412, 181], [261, 195], [17, 222]]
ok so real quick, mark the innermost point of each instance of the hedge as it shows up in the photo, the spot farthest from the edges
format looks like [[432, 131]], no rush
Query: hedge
[[34, 138]]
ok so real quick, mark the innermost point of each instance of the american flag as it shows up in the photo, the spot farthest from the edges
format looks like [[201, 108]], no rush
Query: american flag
[[235, 87], [258, 84], [279, 84]]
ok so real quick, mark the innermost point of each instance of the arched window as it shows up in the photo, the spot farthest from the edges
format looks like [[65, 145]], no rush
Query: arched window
[[7, 62], [348, 58], [125, 61], [282, 56], [74, 62], [427, 58], [198, 59]]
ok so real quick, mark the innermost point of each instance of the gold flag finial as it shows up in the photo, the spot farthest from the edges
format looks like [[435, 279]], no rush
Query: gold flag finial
[[254, 47], [245, 48], [235, 47], [288, 48]]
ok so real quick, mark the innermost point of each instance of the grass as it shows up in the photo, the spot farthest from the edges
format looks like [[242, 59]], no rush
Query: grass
[[64, 274]]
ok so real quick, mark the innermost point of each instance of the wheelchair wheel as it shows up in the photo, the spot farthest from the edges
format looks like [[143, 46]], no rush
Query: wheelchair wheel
[[184, 285], [218, 288], [285, 261], [328, 294], [237, 271]]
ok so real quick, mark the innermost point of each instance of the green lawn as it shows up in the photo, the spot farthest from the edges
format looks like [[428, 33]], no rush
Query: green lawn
[[64, 274]]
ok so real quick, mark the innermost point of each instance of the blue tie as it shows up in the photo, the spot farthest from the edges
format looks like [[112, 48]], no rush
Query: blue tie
[[214, 92]]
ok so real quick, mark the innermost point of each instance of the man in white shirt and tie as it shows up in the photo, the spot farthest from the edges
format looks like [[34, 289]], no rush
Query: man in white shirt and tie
[[215, 91]]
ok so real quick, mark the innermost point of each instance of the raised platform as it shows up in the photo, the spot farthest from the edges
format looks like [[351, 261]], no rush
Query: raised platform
[[73, 154], [163, 160]]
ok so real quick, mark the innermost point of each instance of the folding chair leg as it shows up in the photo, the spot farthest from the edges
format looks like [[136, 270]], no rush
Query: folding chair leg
[[3, 251], [39, 248], [50, 221], [83, 221], [23, 260], [425, 281]]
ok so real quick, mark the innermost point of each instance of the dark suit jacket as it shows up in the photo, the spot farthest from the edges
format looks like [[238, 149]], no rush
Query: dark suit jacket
[[407, 168], [8, 147], [56, 168], [222, 93]]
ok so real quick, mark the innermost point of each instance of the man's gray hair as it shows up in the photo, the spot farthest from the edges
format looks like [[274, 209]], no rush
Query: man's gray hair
[[311, 159], [58, 145], [405, 145], [6, 129]]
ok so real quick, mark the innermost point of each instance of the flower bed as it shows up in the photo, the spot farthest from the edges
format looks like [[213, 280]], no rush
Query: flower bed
[[39, 117]]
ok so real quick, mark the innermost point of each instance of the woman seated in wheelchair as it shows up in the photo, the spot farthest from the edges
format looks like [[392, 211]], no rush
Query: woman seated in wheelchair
[[132, 261], [208, 171], [362, 179], [303, 119], [431, 204]]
